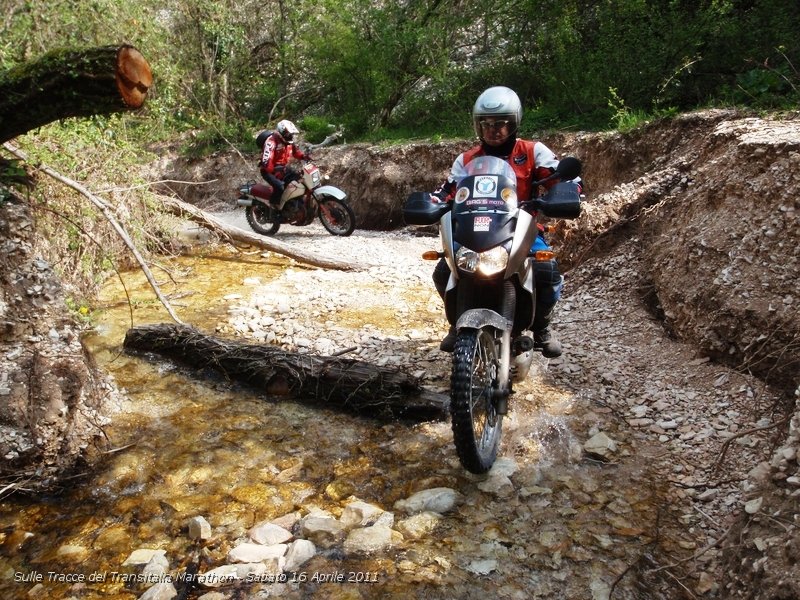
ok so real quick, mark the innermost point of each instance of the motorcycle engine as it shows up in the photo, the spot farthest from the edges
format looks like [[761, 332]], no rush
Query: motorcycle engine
[[294, 211]]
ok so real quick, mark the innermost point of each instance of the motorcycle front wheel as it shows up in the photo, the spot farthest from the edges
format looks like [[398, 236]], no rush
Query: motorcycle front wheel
[[262, 219], [336, 216], [476, 425]]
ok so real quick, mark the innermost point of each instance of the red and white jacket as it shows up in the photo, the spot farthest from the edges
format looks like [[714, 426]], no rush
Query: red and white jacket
[[276, 155], [530, 160]]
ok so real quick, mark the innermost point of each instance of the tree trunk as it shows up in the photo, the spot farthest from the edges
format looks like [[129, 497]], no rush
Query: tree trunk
[[345, 384], [72, 83]]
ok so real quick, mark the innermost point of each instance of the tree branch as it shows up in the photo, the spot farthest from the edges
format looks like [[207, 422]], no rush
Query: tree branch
[[106, 210]]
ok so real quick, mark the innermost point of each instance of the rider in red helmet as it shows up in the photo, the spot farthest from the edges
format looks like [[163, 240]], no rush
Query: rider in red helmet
[[278, 149]]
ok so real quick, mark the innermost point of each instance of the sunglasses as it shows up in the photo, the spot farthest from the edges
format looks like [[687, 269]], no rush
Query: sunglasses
[[498, 124]]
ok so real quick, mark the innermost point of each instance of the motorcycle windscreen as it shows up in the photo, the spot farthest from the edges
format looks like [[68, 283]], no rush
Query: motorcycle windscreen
[[485, 205]]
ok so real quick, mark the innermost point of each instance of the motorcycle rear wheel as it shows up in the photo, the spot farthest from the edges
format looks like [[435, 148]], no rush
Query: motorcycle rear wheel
[[477, 426], [262, 219], [336, 216]]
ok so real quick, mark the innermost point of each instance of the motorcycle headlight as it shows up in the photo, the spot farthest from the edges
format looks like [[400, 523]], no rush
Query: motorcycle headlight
[[486, 263]]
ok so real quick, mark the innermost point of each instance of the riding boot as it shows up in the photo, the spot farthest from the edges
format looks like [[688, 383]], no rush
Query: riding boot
[[448, 343], [543, 338]]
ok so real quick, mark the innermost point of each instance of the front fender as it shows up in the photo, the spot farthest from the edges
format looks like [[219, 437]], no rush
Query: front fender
[[480, 317], [329, 190]]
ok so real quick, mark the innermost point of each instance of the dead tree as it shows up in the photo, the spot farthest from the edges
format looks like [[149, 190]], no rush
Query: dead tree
[[72, 83], [339, 383]]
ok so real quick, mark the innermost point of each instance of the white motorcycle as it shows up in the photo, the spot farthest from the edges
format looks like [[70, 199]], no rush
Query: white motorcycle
[[303, 199], [491, 296]]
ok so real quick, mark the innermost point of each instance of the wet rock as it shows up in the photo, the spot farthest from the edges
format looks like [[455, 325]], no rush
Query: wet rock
[[323, 531], [142, 556], [368, 540], [199, 528], [360, 513], [298, 553], [600, 445], [419, 525], [163, 590], [438, 500], [156, 566], [253, 553], [268, 533]]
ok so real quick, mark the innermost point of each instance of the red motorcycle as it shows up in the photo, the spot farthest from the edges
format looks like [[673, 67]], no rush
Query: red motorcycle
[[303, 199]]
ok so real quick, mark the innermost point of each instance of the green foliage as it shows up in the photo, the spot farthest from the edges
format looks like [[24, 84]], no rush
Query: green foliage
[[315, 128], [412, 69]]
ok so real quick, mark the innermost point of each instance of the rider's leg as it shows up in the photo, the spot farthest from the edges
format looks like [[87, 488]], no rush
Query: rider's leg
[[276, 185], [441, 275], [548, 290], [549, 282]]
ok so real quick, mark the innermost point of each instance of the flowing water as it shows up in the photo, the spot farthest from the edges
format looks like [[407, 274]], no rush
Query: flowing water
[[185, 445]]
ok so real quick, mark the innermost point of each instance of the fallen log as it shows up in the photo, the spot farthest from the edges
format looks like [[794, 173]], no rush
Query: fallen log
[[72, 83], [196, 215], [350, 385]]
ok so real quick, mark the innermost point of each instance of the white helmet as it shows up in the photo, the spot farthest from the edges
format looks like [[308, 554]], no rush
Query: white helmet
[[498, 102], [287, 130]]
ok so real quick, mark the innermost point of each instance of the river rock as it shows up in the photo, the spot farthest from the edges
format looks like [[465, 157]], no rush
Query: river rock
[[163, 590], [142, 556], [438, 500], [268, 533], [199, 528], [368, 540], [323, 531], [600, 445], [299, 552], [251, 553], [360, 513], [419, 525]]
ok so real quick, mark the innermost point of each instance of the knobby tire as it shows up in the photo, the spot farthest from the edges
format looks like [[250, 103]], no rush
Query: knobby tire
[[476, 425], [336, 216], [262, 219]]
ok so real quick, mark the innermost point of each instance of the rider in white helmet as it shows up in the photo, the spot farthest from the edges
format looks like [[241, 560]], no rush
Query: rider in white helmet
[[277, 149], [496, 117]]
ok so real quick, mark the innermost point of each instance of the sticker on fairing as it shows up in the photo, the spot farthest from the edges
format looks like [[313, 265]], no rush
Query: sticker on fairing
[[481, 223], [509, 195], [461, 195], [485, 185]]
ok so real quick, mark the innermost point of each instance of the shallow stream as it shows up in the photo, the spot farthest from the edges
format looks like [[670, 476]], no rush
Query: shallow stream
[[187, 444]]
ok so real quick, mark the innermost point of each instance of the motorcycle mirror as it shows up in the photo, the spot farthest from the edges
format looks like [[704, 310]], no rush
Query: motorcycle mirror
[[569, 167]]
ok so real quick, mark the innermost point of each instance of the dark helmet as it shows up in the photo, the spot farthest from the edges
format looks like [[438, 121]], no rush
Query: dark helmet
[[262, 139], [497, 102], [287, 130]]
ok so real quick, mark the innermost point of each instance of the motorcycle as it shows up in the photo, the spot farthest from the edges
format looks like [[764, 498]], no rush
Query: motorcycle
[[486, 237], [303, 199]]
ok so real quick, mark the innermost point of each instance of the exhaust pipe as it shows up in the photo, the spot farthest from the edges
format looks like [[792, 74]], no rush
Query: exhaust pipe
[[244, 202]]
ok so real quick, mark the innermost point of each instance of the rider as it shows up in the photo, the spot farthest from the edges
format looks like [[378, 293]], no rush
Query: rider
[[277, 149], [496, 118]]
